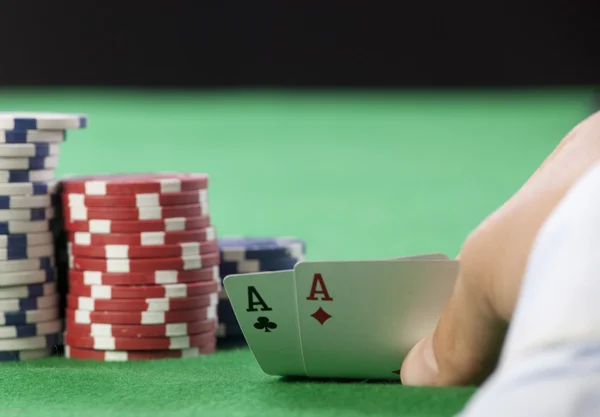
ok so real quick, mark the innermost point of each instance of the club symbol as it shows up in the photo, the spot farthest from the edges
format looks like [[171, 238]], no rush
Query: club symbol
[[265, 323]]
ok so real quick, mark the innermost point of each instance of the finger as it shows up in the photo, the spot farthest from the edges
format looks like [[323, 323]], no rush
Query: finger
[[464, 347]]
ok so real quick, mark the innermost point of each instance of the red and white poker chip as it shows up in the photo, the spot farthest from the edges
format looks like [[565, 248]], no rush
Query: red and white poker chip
[[141, 330], [85, 277], [74, 213], [110, 292], [123, 356], [131, 343], [144, 265], [139, 252], [141, 317], [136, 200], [119, 184], [137, 226], [143, 238], [141, 304]]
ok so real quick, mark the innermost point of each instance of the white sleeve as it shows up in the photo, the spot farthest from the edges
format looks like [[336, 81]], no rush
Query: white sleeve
[[550, 363]]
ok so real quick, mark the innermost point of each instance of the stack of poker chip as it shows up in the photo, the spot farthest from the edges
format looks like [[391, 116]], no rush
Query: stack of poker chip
[[242, 255], [143, 267], [30, 312]]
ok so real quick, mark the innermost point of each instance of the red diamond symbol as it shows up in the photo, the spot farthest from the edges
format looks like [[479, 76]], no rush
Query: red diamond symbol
[[321, 316]]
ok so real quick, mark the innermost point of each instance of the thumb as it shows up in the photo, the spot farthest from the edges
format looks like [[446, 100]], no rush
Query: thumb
[[465, 345]]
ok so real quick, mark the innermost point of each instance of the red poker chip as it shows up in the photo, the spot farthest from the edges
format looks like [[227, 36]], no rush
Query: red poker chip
[[141, 278], [131, 343], [136, 200], [141, 330], [118, 184], [144, 265], [137, 226], [122, 356], [141, 252], [143, 238], [108, 292], [141, 304], [71, 214], [140, 317]]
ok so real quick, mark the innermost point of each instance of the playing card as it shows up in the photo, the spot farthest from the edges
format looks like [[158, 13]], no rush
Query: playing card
[[358, 319], [265, 307], [427, 256]]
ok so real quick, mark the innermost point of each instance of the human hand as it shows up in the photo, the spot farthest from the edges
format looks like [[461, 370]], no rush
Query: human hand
[[465, 346]]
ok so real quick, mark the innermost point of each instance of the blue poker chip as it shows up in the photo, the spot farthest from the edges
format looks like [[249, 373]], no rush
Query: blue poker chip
[[253, 265], [23, 355], [238, 248], [23, 121], [32, 136]]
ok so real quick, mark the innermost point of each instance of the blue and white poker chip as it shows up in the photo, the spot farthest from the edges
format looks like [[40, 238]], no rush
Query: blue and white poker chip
[[28, 188], [30, 330], [33, 303], [19, 227], [239, 248], [28, 163], [32, 214], [32, 136], [34, 264], [27, 291], [23, 121], [25, 201], [254, 265], [14, 318], [29, 150], [25, 175], [24, 355], [10, 253], [26, 239], [27, 343], [25, 277]]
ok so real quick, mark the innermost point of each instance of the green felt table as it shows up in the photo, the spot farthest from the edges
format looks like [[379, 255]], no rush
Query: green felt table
[[358, 175]]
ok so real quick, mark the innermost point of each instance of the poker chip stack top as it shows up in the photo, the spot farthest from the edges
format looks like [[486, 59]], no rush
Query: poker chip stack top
[[245, 254], [143, 267], [30, 316]]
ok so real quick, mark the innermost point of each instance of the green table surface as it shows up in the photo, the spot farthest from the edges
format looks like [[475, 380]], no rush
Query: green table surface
[[358, 175]]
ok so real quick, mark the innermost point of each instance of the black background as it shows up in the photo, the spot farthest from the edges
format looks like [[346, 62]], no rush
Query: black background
[[253, 43]]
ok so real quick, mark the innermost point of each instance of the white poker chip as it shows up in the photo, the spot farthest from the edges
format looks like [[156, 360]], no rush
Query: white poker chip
[[29, 330], [17, 226]]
